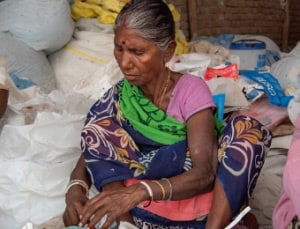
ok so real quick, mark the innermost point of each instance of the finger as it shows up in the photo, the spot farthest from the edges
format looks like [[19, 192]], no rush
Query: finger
[[79, 208], [71, 217], [94, 221], [66, 219], [94, 204], [108, 222], [96, 198], [89, 212]]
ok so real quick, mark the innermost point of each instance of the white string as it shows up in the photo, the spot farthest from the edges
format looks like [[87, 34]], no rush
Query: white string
[[238, 218]]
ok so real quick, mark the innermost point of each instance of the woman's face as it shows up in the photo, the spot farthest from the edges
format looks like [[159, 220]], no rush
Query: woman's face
[[141, 61]]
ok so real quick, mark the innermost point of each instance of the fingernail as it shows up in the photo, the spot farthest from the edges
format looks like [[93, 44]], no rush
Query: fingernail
[[80, 224]]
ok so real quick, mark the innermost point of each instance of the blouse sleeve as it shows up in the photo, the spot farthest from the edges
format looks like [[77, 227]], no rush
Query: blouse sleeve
[[190, 96]]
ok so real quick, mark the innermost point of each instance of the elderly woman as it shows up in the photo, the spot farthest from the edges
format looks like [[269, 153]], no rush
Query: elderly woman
[[150, 146]]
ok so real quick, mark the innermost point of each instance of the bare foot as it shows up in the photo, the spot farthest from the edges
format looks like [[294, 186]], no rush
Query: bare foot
[[250, 221]]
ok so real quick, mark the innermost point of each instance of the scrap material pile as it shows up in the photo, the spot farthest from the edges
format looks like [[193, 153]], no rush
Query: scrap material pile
[[54, 70]]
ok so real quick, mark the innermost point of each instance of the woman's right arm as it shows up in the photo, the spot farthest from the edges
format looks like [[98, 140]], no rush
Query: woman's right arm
[[76, 195]]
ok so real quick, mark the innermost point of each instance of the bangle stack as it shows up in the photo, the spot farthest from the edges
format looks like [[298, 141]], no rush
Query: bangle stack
[[150, 193], [162, 189], [170, 189], [81, 183]]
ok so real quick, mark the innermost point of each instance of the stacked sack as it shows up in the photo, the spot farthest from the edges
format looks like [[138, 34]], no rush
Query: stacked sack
[[29, 31], [105, 11]]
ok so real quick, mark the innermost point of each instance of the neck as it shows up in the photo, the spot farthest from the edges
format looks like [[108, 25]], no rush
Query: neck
[[156, 90], [164, 89]]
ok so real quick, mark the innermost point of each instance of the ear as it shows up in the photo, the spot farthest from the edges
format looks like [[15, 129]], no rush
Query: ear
[[169, 52]]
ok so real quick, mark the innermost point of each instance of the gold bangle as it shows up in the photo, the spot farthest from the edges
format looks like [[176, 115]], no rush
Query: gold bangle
[[170, 188], [81, 183], [162, 189]]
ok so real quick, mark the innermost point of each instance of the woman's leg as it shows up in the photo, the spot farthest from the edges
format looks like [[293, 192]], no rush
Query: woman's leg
[[220, 215], [242, 149]]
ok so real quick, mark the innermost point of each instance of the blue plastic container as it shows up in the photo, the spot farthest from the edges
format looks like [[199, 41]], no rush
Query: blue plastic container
[[252, 54]]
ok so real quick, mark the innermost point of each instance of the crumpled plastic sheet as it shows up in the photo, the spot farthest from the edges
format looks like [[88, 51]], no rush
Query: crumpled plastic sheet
[[35, 164], [37, 156]]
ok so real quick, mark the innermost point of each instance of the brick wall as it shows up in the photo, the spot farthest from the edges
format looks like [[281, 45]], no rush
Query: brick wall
[[215, 17]]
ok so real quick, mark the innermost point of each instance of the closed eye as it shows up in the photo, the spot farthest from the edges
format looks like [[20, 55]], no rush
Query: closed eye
[[136, 52]]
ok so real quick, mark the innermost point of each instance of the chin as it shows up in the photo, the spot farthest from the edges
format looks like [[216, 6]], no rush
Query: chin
[[132, 80]]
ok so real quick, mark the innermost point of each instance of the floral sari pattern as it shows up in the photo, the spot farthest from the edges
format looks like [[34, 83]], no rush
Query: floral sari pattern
[[242, 148]]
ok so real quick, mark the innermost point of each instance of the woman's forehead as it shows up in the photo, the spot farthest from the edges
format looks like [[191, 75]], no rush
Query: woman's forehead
[[127, 36]]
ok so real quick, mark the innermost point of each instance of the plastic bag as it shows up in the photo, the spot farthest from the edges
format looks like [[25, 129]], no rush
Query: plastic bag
[[287, 72], [43, 25], [36, 159], [235, 98], [271, 86], [194, 63], [26, 63], [229, 71]]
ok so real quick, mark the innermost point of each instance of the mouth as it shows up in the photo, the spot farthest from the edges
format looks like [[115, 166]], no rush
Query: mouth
[[130, 76]]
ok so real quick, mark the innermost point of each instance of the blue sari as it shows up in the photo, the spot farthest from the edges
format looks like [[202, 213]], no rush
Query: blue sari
[[117, 148]]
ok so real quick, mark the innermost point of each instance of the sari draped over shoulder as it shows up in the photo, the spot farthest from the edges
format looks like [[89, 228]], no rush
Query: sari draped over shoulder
[[137, 139]]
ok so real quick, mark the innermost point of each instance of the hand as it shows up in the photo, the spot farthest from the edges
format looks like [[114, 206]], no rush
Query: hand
[[75, 201], [114, 204]]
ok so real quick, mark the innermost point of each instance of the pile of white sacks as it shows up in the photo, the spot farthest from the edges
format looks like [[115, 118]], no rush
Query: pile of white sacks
[[70, 68]]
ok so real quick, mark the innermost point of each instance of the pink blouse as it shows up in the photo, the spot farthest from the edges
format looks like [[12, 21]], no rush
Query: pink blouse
[[190, 95]]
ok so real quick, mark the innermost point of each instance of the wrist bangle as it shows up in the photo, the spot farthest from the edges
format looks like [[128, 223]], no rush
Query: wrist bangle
[[170, 188], [162, 189], [150, 193], [81, 183]]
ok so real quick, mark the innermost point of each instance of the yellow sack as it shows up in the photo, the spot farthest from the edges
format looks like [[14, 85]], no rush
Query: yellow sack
[[78, 12], [97, 2], [182, 45], [97, 8], [107, 17], [113, 5], [175, 13], [105, 11], [85, 9]]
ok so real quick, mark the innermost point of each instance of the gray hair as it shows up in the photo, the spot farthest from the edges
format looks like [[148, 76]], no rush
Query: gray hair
[[151, 19]]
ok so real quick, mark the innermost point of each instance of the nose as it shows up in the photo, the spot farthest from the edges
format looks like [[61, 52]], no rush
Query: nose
[[125, 61]]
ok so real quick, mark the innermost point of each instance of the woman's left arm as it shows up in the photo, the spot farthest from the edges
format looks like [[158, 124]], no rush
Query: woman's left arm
[[202, 145]]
